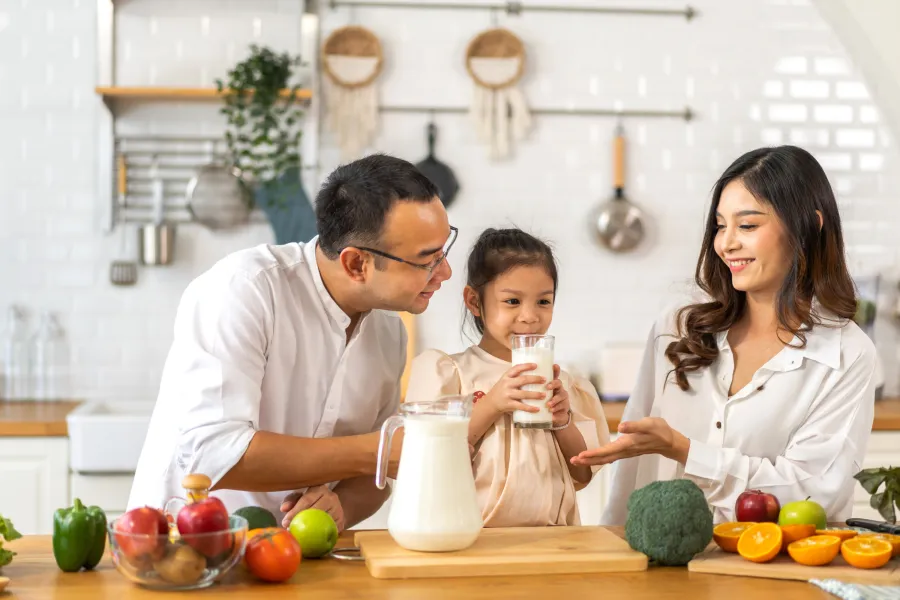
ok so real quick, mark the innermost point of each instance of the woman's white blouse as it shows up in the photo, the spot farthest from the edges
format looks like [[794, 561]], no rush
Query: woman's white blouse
[[799, 428]]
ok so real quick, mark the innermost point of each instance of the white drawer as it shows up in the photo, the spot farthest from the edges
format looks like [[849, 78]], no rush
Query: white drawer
[[109, 492]]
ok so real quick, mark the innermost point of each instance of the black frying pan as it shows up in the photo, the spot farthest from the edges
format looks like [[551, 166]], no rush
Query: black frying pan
[[439, 173]]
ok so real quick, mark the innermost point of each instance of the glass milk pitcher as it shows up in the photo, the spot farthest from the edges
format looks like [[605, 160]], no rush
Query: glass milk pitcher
[[433, 503]]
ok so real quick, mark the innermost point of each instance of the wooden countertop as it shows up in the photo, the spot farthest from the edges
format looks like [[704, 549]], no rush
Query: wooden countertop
[[23, 419], [20, 419], [34, 576], [887, 414]]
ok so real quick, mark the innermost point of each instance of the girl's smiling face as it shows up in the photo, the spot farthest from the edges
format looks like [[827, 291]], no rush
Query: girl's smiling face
[[520, 301]]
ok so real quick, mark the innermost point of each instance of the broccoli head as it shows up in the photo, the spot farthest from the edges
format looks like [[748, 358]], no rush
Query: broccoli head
[[669, 521]]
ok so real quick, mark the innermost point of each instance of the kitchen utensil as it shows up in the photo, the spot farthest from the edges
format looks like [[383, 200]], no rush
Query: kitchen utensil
[[122, 271], [439, 173], [871, 525], [157, 240], [216, 196], [716, 561], [619, 224], [433, 504], [525, 551]]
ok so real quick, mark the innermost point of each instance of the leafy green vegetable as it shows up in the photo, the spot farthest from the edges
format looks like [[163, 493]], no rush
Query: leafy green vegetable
[[8, 533], [6, 557], [7, 530], [885, 502]]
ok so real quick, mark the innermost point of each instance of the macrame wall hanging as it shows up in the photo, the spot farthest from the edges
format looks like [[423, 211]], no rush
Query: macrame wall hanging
[[351, 60], [495, 59]]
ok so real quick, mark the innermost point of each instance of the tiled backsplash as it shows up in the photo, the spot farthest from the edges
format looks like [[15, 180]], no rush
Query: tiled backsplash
[[755, 72]]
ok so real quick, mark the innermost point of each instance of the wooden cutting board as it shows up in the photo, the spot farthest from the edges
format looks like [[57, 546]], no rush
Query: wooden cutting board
[[715, 561], [505, 551]]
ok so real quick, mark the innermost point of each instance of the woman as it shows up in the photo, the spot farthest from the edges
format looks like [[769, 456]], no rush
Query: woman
[[768, 384]]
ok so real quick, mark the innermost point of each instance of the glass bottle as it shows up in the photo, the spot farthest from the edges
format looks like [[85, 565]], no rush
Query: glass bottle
[[14, 358], [50, 360]]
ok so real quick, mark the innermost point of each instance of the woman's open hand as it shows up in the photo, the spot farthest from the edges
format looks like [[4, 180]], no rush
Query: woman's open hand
[[650, 435]]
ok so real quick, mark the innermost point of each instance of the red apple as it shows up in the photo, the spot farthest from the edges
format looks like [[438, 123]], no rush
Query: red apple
[[141, 534], [756, 507], [199, 524]]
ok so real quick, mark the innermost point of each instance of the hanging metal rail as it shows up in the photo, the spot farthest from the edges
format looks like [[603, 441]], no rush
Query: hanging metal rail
[[686, 114], [516, 8]]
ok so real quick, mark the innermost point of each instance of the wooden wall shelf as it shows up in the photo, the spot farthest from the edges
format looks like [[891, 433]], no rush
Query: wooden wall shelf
[[174, 93]]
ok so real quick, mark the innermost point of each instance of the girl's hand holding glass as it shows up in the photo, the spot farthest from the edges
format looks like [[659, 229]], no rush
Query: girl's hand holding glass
[[506, 396]]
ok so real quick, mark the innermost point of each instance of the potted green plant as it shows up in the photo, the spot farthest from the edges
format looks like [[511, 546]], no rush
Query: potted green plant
[[264, 115], [887, 501]]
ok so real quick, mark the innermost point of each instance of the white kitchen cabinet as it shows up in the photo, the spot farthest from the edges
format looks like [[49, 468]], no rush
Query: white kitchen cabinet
[[108, 491], [34, 481]]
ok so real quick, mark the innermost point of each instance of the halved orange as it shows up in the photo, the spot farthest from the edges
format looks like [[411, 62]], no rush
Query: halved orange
[[866, 552], [792, 533], [761, 542], [893, 540], [726, 535], [844, 534], [816, 550]]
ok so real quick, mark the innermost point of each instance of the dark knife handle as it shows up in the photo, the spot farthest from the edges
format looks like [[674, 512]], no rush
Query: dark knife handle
[[879, 526]]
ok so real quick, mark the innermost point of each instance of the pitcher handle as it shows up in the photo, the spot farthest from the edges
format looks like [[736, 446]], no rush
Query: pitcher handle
[[384, 449]]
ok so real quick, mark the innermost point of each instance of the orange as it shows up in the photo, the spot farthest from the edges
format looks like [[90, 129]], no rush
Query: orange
[[726, 535], [844, 534], [894, 540], [761, 542], [866, 552], [792, 533], [816, 550]]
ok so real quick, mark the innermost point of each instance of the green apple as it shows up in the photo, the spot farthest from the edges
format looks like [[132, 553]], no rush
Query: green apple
[[315, 531], [803, 512]]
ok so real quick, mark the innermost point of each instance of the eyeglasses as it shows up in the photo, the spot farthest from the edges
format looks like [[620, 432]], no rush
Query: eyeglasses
[[430, 267]]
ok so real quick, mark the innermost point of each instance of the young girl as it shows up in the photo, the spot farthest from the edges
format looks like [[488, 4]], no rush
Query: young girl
[[523, 477]]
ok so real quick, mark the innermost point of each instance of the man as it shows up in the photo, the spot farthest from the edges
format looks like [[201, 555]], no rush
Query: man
[[284, 364]]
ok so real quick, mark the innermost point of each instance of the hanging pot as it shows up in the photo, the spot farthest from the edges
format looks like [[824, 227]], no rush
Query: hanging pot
[[439, 173], [619, 224]]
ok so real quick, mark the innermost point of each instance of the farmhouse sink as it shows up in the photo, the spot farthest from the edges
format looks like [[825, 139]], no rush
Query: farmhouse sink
[[107, 437]]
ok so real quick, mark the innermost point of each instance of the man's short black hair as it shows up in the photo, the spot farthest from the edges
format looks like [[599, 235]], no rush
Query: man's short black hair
[[353, 202]]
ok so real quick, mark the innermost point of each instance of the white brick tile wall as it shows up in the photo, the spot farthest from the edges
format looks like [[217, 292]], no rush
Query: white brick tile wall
[[799, 86]]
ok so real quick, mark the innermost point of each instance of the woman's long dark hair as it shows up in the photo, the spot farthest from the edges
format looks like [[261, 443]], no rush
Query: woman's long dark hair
[[792, 182]]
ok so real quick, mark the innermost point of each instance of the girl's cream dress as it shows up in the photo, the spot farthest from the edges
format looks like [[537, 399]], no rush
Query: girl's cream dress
[[521, 476]]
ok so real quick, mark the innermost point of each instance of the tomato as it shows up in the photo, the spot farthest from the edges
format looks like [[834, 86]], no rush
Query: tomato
[[272, 554], [141, 535]]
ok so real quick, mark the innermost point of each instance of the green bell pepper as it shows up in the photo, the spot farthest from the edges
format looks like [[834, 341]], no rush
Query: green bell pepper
[[79, 536]]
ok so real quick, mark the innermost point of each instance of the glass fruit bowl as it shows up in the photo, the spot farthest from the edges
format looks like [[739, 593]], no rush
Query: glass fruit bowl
[[178, 562]]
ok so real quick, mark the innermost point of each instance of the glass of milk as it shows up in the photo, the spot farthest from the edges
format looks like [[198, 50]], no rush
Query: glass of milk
[[537, 349]]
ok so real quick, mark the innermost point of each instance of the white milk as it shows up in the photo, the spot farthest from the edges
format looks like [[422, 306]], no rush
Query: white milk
[[433, 505], [543, 358]]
